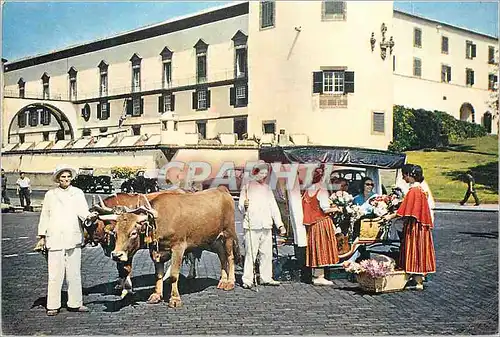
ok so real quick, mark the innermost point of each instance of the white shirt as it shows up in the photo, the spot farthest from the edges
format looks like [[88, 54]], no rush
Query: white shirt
[[297, 215], [262, 210], [59, 218], [23, 183]]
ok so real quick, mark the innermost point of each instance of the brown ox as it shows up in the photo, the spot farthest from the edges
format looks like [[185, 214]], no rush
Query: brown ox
[[182, 222], [102, 232]]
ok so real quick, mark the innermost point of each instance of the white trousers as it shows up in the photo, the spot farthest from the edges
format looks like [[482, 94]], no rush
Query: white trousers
[[67, 261], [258, 241]]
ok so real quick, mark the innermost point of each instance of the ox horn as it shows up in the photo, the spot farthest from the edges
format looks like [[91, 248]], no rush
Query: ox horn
[[108, 217], [101, 202], [102, 209]]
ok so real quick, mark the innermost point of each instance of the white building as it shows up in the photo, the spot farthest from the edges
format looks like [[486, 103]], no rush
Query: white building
[[323, 72]]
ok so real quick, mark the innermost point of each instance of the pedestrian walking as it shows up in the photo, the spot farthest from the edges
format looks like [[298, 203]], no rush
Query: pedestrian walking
[[5, 197], [261, 210], [417, 255], [24, 191], [60, 232], [471, 189]]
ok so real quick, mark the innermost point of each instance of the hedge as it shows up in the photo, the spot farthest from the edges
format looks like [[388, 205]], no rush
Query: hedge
[[123, 172], [415, 129]]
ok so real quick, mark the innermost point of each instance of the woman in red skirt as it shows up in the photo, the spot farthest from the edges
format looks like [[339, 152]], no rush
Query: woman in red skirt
[[321, 242], [417, 255]]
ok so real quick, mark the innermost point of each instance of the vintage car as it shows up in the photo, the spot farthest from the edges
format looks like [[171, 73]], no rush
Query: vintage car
[[90, 183], [140, 183]]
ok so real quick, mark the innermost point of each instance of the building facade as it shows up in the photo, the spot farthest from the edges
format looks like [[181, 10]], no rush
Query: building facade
[[320, 72]]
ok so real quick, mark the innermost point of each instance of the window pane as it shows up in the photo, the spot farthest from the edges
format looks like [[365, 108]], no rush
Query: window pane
[[327, 81], [339, 81], [202, 99], [334, 7], [167, 74], [267, 14], [166, 103]]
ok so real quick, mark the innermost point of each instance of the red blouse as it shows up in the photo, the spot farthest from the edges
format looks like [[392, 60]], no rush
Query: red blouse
[[312, 210], [415, 205]]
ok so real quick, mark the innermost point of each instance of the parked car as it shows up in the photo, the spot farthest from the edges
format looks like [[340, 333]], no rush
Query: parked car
[[89, 183], [139, 183], [237, 173]]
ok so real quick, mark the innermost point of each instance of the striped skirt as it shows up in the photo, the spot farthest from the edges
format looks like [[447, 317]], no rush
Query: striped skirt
[[417, 255], [321, 244]]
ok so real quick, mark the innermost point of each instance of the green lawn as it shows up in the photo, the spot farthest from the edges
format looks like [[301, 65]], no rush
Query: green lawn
[[443, 168]]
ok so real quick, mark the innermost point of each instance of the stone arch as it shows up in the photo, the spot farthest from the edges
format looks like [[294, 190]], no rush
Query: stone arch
[[487, 118], [467, 113], [65, 127]]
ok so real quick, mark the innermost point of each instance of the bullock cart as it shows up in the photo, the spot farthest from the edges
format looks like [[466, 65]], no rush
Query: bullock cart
[[359, 238]]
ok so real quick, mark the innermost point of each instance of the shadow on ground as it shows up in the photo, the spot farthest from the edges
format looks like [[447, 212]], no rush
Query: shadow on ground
[[485, 235], [462, 148], [145, 287], [486, 175]]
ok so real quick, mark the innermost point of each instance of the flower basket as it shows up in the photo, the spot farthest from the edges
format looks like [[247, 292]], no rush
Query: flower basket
[[394, 281]]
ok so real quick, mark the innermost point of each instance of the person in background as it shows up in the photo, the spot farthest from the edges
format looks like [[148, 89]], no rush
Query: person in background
[[60, 232], [24, 190], [258, 204], [417, 255], [5, 198], [366, 191], [471, 189], [322, 248]]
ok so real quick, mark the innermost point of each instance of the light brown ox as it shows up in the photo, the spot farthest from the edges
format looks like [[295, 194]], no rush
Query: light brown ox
[[101, 232], [183, 222]]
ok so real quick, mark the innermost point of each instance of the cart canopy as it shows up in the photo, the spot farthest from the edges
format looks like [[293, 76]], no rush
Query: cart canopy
[[347, 156]]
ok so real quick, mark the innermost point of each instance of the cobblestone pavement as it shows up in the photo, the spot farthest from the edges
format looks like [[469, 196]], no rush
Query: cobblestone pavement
[[462, 298]]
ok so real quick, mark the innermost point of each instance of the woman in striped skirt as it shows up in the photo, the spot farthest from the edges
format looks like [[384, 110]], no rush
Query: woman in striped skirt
[[417, 255], [321, 242]]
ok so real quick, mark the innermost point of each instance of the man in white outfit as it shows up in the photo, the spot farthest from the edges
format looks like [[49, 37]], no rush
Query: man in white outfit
[[261, 211], [59, 229]]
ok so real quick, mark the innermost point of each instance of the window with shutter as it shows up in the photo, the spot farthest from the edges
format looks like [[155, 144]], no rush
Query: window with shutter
[[241, 63], [21, 85], [469, 77], [103, 88], [491, 55], [317, 82], [492, 81], [333, 82], [21, 119], [201, 128], [333, 10], [444, 45], [267, 14], [417, 67], [167, 74], [99, 111], [241, 98], [172, 102], [445, 73], [201, 68], [470, 50], [167, 102], [201, 99], [417, 38], [378, 122], [136, 106], [33, 117], [136, 79]]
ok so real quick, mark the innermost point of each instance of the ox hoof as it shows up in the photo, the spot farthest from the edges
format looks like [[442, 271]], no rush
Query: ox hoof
[[154, 299], [175, 302]]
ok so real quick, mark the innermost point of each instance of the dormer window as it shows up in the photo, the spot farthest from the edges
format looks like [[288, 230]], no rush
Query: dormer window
[[103, 79], [21, 85], [136, 73], [240, 61], [72, 83], [166, 58], [46, 88], [201, 61]]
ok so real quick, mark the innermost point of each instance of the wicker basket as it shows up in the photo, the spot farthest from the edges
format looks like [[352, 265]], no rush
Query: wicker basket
[[369, 229], [395, 281]]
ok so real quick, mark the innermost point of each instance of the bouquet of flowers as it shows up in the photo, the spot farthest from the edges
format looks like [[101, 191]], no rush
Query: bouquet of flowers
[[383, 204], [341, 198], [374, 268]]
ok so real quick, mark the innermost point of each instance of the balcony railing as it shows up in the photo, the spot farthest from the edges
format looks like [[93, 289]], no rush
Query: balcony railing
[[120, 90], [33, 95]]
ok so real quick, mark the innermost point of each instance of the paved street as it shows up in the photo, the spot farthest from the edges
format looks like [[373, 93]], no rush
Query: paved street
[[462, 298]]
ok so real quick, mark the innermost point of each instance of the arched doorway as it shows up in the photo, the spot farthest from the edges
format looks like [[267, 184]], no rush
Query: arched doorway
[[467, 113], [487, 117], [45, 115]]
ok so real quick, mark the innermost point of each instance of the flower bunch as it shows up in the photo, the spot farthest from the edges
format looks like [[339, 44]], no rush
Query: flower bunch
[[371, 267], [341, 198], [355, 212], [383, 204]]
